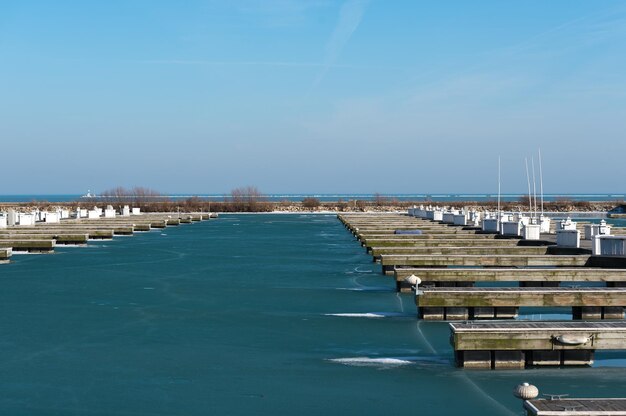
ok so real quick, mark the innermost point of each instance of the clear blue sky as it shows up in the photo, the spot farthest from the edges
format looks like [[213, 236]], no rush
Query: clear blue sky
[[311, 96]]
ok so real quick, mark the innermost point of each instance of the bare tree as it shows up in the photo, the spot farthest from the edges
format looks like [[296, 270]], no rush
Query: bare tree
[[310, 203], [380, 200], [247, 198], [138, 196]]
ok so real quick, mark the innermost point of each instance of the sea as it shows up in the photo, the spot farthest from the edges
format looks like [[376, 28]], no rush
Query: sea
[[260, 314], [442, 197]]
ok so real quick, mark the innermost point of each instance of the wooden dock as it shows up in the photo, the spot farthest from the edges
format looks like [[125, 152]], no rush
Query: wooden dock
[[449, 260], [5, 254], [453, 250], [391, 261], [58, 238], [441, 242], [576, 407], [365, 237], [533, 277], [588, 303], [43, 237], [519, 344], [29, 245]]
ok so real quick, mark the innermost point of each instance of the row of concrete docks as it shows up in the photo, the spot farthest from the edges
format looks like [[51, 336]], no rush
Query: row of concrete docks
[[43, 236], [461, 266], [12, 217]]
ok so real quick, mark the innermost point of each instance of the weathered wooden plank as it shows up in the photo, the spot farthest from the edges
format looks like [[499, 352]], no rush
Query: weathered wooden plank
[[539, 297], [570, 407], [481, 260], [5, 253], [445, 242], [29, 244], [430, 236], [539, 336], [475, 250], [493, 274]]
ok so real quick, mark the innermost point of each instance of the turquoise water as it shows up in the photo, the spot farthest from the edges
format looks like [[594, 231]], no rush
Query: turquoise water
[[237, 316]]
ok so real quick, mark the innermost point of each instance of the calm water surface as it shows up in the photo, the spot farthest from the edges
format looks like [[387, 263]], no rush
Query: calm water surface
[[248, 314]]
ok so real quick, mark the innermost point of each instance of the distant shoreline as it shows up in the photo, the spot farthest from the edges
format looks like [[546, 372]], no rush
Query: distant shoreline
[[312, 205]]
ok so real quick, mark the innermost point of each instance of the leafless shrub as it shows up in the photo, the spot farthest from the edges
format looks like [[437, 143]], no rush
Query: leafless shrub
[[310, 203], [380, 200]]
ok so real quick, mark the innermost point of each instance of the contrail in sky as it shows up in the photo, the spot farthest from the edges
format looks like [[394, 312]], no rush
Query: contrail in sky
[[350, 17]]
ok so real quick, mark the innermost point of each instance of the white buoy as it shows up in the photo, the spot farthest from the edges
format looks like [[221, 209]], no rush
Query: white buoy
[[413, 280], [526, 391]]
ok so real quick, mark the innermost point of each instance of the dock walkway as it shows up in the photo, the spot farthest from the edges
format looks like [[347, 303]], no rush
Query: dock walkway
[[439, 303], [518, 344]]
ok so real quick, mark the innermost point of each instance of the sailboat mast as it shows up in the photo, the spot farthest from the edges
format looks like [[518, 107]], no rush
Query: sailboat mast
[[498, 220], [530, 197], [540, 181], [532, 162]]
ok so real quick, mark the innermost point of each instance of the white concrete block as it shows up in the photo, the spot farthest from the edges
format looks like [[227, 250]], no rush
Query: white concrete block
[[490, 225], [52, 217], [25, 219], [460, 219], [531, 232], [612, 245], [511, 228], [568, 238], [447, 218]]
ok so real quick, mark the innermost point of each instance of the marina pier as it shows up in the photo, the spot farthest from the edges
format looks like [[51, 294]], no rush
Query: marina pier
[[440, 303], [449, 268], [524, 277], [43, 236], [520, 344], [5, 254]]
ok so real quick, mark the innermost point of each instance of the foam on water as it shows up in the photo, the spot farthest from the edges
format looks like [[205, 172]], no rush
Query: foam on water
[[376, 315], [367, 289], [391, 362], [357, 315], [371, 362]]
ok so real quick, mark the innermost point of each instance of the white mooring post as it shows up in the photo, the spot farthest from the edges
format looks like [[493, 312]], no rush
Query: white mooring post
[[568, 238], [609, 245], [531, 232], [109, 212]]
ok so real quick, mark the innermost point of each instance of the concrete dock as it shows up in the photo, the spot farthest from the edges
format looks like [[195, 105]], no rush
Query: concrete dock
[[519, 344], [533, 276], [43, 237], [29, 245], [447, 261], [563, 406], [588, 303], [5, 254], [453, 250], [431, 242], [58, 238], [391, 261]]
